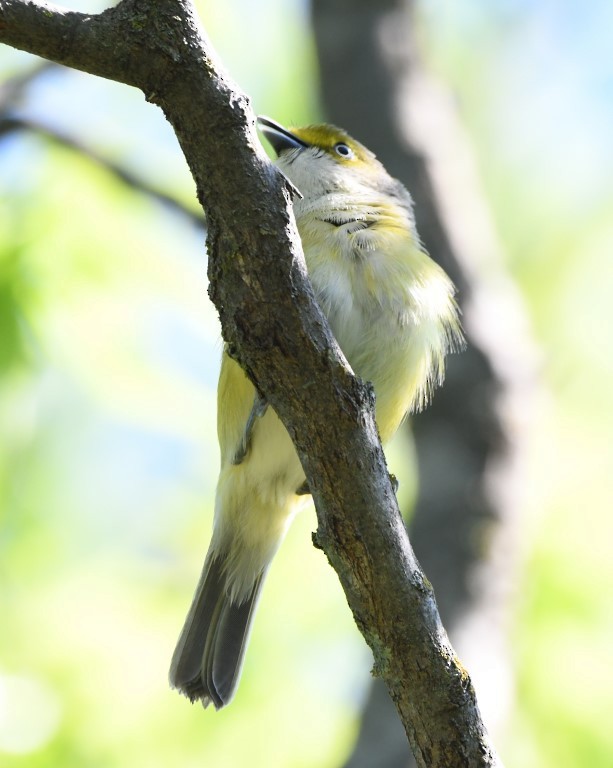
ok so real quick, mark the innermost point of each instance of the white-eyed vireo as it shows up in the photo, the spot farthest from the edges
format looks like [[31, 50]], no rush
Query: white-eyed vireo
[[392, 311]]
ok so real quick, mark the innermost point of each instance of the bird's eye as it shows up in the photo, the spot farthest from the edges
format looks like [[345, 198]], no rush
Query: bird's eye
[[343, 150]]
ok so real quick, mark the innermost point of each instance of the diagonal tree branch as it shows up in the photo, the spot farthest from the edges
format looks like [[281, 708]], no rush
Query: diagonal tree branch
[[273, 326]]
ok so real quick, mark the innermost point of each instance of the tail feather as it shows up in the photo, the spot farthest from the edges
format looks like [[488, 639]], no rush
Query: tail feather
[[209, 656]]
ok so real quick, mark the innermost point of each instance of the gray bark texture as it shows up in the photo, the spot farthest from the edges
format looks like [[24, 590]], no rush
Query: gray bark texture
[[273, 326], [470, 441]]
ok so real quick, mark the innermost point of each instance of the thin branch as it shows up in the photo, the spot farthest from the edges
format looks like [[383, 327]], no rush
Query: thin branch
[[12, 89], [274, 327], [10, 125], [12, 92]]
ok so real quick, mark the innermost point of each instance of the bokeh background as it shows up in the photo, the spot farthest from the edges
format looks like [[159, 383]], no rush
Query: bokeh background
[[109, 353]]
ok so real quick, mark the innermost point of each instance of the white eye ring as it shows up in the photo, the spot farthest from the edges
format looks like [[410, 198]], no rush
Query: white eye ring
[[343, 150]]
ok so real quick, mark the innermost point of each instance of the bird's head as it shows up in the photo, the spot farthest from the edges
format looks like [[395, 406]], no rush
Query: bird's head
[[320, 159]]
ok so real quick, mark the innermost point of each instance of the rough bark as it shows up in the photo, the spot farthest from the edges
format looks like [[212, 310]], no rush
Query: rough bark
[[274, 328], [469, 441]]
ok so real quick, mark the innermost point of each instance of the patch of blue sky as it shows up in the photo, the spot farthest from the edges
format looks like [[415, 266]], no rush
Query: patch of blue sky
[[554, 77], [112, 118], [546, 90], [20, 162], [178, 343], [120, 490]]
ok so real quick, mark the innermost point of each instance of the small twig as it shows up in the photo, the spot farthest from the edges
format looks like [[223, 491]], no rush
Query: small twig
[[12, 90], [14, 124]]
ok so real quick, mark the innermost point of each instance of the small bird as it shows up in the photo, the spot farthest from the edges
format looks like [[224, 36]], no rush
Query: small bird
[[393, 313]]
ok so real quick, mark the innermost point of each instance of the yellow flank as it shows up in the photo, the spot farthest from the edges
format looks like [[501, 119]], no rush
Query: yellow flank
[[392, 311], [235, 396], [255, 499]]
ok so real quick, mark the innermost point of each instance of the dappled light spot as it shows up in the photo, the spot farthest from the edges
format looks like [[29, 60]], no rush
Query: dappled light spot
[[29, 714]]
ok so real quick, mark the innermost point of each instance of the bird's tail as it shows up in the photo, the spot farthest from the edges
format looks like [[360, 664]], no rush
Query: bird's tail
[[209, 656]]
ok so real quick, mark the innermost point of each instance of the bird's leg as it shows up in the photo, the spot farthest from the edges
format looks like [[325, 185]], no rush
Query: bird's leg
[[258, 409]]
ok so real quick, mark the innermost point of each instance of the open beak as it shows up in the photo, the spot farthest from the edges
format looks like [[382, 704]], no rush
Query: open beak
[[279, 137]]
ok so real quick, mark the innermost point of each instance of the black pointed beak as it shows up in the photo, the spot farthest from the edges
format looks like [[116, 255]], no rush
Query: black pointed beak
[[279, 137]]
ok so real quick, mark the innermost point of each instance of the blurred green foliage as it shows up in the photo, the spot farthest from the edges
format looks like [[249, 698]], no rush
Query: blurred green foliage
[[108, 355]]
